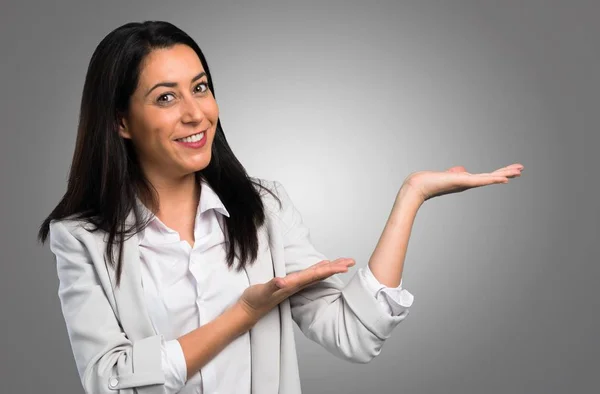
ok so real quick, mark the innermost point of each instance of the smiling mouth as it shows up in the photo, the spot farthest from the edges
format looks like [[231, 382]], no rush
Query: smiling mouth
[[192, 138]]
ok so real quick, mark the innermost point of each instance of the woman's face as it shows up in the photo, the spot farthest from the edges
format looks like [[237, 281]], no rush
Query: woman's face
[[172, 101]]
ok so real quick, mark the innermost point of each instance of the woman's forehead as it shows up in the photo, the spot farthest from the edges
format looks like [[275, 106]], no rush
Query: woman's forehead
[[175, 64]]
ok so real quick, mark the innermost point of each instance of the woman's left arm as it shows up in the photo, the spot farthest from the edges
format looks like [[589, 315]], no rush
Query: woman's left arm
[[347, 319], [387, 260]]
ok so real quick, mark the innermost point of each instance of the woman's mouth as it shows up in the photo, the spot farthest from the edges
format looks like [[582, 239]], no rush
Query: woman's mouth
[[193, 141]]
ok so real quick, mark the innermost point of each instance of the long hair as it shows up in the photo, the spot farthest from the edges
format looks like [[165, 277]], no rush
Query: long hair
[[105, 176]]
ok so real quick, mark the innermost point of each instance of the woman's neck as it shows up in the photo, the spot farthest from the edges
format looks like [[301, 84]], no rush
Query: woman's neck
[[179, 196]]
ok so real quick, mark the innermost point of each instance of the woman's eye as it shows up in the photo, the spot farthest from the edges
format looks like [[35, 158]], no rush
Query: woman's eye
[[202, 87], [201, 84], [162, 96]]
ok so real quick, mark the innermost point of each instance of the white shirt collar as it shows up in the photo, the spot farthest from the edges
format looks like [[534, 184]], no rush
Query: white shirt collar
[[208, 200]]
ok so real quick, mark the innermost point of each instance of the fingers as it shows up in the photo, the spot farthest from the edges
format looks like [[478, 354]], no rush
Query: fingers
[[468, 181], [261, 298], [512, 166], [322, 270], [511, 171], [501, 174], [301, 275]]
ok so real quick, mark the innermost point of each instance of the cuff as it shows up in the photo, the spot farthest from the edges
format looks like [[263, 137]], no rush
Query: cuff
[[359, 297], [174, 365], [394, 300]]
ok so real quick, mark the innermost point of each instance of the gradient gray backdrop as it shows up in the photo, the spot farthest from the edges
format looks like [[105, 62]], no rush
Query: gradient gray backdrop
[[340, 102]]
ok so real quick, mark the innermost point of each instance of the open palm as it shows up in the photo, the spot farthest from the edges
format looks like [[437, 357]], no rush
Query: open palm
[[259, 299], [456, 179]]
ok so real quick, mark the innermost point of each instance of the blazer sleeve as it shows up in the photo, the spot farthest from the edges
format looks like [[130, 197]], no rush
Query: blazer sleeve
[[347, 320], [107, 361]]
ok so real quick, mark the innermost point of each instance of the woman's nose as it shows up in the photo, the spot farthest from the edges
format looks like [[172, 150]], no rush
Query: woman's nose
[[192, 111]]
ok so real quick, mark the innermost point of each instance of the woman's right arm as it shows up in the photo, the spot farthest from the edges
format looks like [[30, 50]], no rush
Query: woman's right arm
[[109, 362], [205, 342], [202, 344]]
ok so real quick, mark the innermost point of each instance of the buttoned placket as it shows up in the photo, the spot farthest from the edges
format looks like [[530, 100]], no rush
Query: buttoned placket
[[206, 235]]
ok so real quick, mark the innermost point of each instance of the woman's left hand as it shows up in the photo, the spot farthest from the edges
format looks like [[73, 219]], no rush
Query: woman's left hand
[[429, 184]]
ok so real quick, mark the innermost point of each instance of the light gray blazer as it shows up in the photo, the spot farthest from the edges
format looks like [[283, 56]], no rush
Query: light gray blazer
[[117, 350]]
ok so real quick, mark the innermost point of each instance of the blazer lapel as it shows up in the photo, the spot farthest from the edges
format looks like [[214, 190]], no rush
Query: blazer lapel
[[265, 336], [129, 296]]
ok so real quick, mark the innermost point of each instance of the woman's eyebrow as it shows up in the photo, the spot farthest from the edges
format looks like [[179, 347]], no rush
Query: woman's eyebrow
[[173, 84]]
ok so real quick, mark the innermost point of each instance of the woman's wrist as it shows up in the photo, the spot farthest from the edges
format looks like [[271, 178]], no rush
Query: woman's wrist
[[408, 193], [243, 318], [202, 344]]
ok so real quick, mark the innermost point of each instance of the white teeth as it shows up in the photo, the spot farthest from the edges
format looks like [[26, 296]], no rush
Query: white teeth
[[192, 138]]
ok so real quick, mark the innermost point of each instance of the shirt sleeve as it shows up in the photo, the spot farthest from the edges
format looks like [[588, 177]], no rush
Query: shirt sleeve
[[174, 365], [394, 300]]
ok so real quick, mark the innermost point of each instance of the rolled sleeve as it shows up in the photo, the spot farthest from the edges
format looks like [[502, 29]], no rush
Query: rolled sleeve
[[394, 300], [174, 365]]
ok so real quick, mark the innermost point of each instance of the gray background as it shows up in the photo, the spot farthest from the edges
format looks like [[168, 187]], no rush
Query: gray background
[[340, 102]]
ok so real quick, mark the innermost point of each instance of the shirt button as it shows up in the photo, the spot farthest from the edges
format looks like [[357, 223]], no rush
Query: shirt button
[[113, 382]]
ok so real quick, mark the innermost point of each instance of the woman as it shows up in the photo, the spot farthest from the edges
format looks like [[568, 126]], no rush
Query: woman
[[179, 272]]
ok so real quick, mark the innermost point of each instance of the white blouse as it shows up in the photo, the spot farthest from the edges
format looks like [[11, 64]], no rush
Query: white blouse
[[187, 287]]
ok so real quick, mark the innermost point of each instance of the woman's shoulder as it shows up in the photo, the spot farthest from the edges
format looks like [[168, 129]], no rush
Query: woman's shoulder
[[73, 225], [272, 193], [66, 236], [279, 207]]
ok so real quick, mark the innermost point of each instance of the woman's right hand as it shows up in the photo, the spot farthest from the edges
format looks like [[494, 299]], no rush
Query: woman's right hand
[[257, 300]]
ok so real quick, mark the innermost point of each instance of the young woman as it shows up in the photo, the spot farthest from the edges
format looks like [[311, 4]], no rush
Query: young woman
[[179, 273]]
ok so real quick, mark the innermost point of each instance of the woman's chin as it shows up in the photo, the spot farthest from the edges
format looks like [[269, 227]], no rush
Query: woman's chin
[[197, 166]]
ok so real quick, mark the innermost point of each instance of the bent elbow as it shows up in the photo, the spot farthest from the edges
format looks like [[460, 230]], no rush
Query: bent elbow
[[362, 353], [102, 375], [124, 367]]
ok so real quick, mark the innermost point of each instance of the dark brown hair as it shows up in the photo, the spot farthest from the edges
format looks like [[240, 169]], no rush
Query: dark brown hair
[[105, 176]]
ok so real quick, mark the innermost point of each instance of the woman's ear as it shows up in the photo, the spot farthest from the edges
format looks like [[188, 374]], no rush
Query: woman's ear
[[123, 127]]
